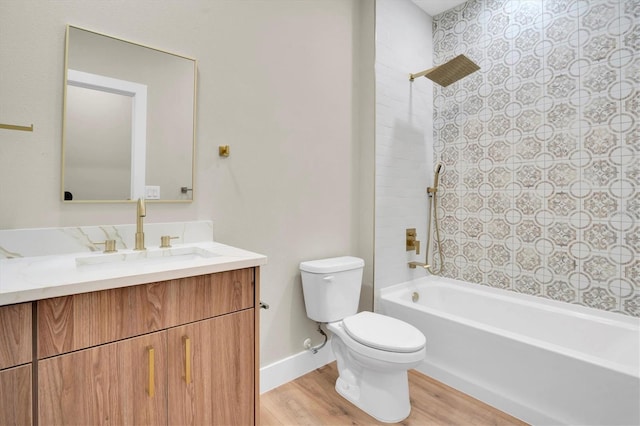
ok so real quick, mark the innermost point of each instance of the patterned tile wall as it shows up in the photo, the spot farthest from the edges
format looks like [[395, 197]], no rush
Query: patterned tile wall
[[540, 192]]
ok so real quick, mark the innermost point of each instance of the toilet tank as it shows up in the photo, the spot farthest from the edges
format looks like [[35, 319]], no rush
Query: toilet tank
[[331, 287]]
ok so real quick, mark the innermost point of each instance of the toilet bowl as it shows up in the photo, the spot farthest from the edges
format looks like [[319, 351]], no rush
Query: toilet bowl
[[373, 351], [373, 379]]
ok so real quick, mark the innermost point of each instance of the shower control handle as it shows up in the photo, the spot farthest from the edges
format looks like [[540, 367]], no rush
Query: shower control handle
[[411, 242]]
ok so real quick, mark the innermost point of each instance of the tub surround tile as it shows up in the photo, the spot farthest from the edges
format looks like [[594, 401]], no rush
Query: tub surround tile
[[539, 191], [541, 149], [404, 121]]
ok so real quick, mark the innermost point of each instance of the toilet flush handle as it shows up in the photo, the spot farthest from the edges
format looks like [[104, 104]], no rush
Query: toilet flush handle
[[329, 278]]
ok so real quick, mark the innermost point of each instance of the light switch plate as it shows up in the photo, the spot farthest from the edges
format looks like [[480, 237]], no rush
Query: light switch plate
[[152, 192]]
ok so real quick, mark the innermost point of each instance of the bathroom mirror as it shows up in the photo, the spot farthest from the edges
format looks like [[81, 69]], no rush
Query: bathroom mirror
[[128, 121]]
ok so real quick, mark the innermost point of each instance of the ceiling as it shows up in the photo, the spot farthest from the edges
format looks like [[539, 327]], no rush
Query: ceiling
[[434, 7]]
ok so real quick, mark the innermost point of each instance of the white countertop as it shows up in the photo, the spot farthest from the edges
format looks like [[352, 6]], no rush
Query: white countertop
[[26, 279]]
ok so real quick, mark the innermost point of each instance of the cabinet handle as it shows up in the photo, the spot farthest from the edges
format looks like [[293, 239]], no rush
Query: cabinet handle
[[187, 359], [151, 353]]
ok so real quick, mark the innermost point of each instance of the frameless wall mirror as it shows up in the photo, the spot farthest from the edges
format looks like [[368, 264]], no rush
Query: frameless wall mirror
[[129, 121]]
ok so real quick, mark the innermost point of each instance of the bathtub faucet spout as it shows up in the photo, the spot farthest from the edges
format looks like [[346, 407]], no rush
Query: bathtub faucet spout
[[413, 265]]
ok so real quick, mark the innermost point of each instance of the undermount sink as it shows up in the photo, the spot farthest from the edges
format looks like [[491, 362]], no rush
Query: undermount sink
[[156, 255]]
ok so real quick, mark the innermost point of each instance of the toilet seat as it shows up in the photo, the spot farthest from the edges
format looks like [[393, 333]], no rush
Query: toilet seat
[[396, 358], [384, 333]]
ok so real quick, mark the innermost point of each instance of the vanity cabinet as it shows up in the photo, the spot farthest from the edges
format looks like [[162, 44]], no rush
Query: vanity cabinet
[[16, 364], [173, 352]]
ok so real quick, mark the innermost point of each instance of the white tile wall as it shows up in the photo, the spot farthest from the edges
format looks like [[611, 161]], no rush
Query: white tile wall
[[404, 136]]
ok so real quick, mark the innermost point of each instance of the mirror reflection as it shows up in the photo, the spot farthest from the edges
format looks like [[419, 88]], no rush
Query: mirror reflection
[[129, 116]]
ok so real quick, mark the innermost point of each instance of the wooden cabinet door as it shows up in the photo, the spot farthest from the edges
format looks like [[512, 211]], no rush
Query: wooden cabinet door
[[219, 369], [117, 383], [15, 335], [15, 396]]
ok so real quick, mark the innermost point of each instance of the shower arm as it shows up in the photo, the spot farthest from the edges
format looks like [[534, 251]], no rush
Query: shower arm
[[419, 74]]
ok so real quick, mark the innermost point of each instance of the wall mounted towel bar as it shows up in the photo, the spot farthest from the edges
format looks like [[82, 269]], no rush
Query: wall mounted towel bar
[[14, 127]]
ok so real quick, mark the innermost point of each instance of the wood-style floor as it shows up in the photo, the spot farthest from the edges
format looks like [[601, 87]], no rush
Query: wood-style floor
[[312, 400]]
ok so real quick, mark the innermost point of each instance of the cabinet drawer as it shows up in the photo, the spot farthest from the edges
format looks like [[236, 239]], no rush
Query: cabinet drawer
[[206, 296], [80, 321], [15, 335]]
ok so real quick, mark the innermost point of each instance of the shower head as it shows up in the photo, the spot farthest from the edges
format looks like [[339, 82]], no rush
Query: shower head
[[436, 175], [431, 190], [449, 72]]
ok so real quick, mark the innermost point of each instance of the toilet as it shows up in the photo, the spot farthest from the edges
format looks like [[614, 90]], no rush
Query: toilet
[[373, 351]]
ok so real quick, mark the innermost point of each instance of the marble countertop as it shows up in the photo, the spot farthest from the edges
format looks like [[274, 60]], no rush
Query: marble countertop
[[24, 279]]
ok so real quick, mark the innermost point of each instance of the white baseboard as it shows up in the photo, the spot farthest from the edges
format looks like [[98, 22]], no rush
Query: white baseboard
[[288, 369]]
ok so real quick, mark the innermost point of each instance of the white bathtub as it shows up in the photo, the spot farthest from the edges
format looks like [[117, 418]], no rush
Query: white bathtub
[[542, 361]]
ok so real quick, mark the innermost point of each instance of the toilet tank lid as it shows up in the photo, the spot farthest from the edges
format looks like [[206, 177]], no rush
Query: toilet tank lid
[[333, 264]]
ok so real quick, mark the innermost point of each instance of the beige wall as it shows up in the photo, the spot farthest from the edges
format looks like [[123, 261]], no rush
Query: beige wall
[[276, 83]]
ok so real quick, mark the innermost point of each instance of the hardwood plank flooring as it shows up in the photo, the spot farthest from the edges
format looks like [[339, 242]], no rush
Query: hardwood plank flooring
[[312, 400]]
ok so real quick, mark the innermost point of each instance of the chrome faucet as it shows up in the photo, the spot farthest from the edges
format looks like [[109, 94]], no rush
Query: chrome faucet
[[141, 212]]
